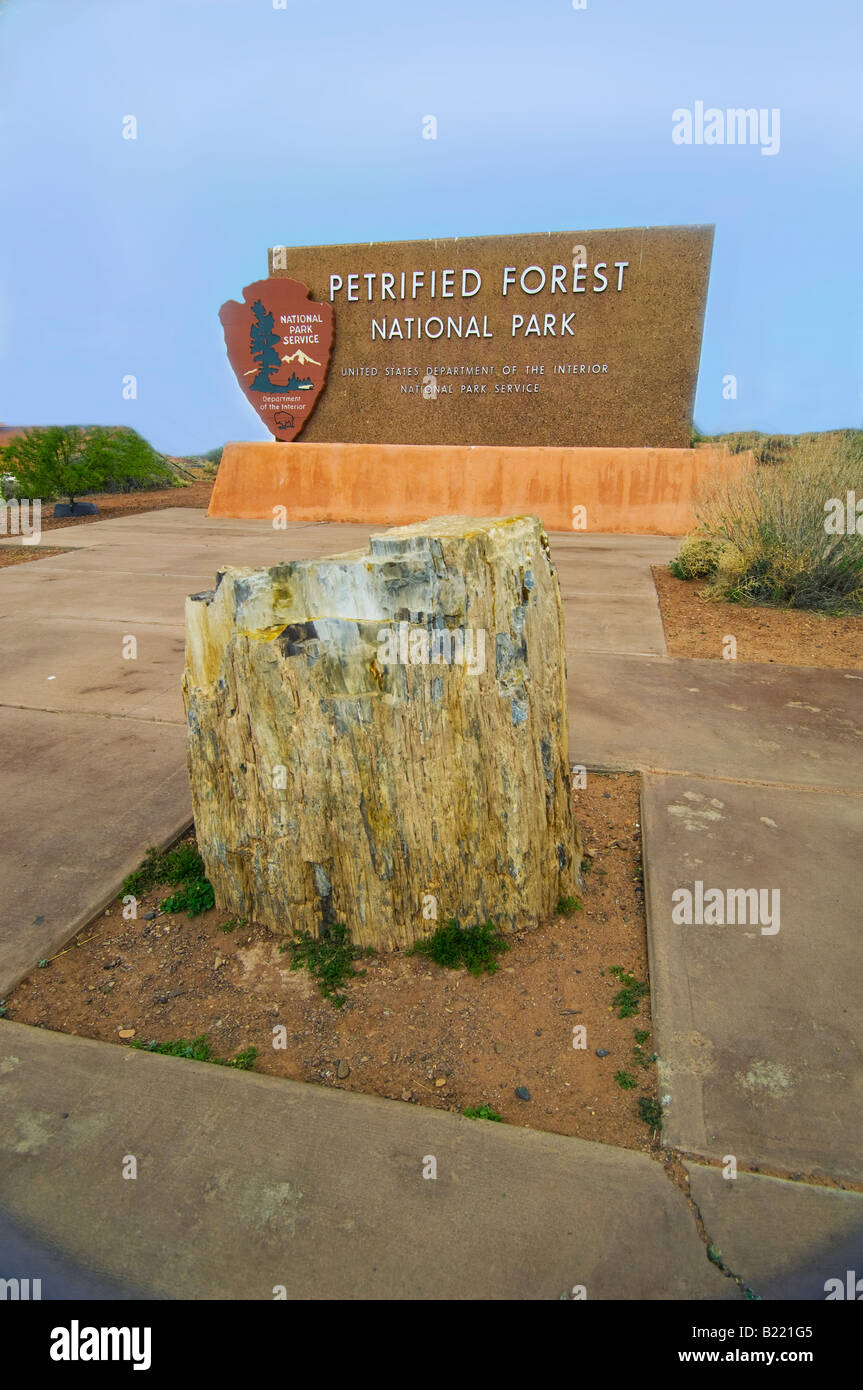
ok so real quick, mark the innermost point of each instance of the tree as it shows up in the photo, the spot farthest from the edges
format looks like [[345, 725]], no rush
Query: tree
[[67, 460], [262, 343]]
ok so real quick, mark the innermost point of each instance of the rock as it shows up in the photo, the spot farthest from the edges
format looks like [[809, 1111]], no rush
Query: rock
[[522, 1092], [149, 916], [76, 509], [440, 1081], [602, 1052], [127, 1032], [376, 727], [343, 1070]]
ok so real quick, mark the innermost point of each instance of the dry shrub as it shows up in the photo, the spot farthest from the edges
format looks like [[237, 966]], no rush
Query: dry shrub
[[762, 537]]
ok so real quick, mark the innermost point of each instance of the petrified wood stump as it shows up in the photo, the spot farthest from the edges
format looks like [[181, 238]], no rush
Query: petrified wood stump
[[380, 737]]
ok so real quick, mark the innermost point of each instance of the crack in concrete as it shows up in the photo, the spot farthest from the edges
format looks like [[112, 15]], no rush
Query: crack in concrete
[[675, 1170]]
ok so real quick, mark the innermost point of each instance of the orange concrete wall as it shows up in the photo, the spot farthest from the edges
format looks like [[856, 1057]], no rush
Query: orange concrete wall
[[640, 491]]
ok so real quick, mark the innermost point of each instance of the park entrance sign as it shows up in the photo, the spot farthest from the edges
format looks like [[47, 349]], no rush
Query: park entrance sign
[[560, 338], [552, 374]]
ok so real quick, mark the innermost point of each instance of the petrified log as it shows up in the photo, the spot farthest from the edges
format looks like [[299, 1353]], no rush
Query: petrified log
[[380, 737]]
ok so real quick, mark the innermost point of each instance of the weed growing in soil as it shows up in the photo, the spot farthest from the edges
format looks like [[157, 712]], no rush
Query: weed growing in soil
[[194, 897], [626, 999], [181, 866], [176, 865], [453, 946], [566, 906], [328, 958], [198, 1050], [232, 924], [641, 1036], [625, 1080], [650, 1112], [481, 1112]]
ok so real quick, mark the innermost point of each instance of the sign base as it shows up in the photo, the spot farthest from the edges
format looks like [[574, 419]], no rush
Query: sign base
[[627, 491]]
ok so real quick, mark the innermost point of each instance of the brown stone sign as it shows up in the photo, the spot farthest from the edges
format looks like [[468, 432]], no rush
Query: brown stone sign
[[278, 344], [562, 338]]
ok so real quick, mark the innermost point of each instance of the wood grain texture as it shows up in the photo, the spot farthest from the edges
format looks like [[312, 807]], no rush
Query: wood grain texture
[[373, 728]]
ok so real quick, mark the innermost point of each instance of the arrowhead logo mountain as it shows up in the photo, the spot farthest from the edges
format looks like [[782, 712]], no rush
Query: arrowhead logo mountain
[[279, 342]]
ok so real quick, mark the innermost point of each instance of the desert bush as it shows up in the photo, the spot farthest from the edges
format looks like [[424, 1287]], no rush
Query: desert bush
[[766, 530], [697, 557]]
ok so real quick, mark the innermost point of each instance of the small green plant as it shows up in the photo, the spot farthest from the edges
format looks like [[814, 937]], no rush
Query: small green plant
[[328, 957], [641, 1036], [43, 964], [650, 1111], [245, 1060], [194, 897], [2, 1008], [177, 865], [586, 864], [714, 1254], [198, 1050], [181, 866], [474, 948], [625, 1080], [626, 999], [481, 1112], [566, 906], [232, 924]]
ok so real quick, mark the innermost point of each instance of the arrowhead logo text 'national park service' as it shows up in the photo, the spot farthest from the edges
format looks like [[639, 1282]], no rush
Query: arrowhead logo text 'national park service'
[[279, 344]]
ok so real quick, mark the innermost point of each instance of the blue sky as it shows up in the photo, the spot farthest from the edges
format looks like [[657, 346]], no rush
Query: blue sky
[[260, 126]]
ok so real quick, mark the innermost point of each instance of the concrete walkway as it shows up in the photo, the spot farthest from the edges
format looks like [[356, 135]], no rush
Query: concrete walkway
[[754, 779], [246, 1182]]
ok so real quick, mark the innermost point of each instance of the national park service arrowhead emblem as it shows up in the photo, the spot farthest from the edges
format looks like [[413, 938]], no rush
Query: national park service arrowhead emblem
[[279, 342]]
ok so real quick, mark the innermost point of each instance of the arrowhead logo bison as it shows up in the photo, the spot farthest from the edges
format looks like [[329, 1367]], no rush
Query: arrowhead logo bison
[[278, 343]]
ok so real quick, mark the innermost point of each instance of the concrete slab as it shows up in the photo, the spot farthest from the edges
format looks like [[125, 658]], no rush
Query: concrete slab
[[795, 725], [76, 664], [245, 1182], [602, 623], [83, 797], [758, 1032], [784, 1239], [98, 594]]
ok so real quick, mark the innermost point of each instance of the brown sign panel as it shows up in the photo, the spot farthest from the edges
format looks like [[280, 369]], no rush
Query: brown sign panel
[[278, 343], [562, 338]]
